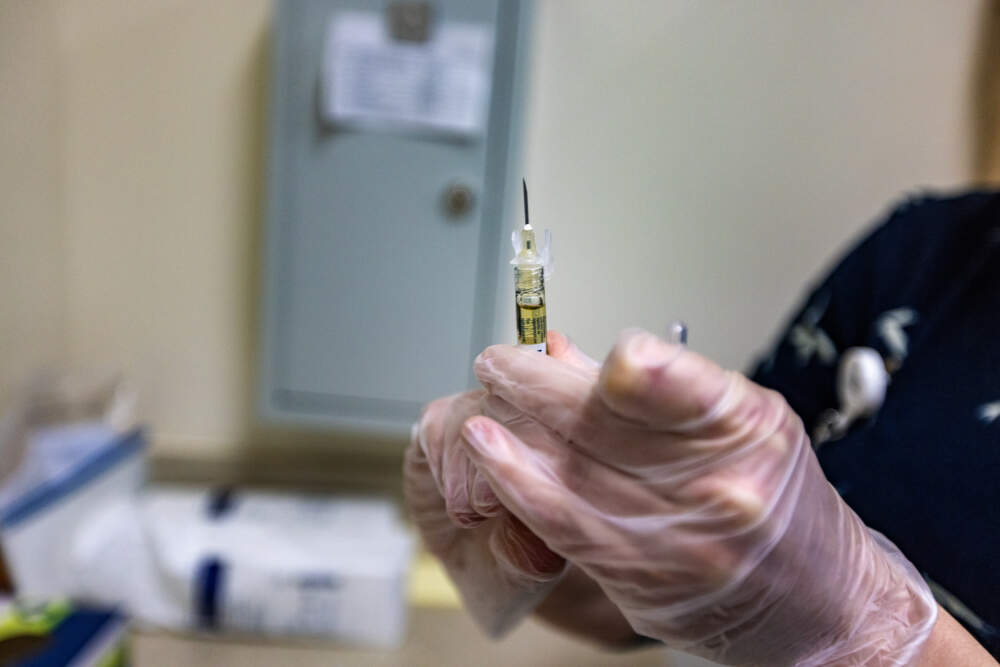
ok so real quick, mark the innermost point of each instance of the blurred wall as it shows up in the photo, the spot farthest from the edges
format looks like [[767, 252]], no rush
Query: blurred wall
[[705, 160], [695, 160], [164, 123], [32, 230]]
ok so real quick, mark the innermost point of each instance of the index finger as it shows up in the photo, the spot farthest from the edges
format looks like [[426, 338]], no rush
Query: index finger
[[561, 347], [546, 389]]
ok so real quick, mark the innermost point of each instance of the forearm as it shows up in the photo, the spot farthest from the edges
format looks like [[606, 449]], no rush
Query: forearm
[[949, 644], [580, 608]]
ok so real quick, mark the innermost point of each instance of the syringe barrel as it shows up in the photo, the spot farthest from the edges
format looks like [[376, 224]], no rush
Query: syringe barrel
[[529, 306]]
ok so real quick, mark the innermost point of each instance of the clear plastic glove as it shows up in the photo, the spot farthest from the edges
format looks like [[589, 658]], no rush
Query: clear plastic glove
[[501, 569], [692, 496]]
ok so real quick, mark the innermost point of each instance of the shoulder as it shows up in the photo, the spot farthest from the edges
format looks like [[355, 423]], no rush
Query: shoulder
[[927, 219], [929, 206], [926, 245], [922, 238]]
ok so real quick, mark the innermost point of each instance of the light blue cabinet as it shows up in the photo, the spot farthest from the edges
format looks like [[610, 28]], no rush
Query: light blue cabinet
[[381, 247]]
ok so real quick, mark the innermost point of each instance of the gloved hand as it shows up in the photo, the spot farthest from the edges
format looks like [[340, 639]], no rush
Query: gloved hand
[[692, 496], [501, 569]]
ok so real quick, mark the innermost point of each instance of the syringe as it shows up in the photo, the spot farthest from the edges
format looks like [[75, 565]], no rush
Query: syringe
[[529, 283]]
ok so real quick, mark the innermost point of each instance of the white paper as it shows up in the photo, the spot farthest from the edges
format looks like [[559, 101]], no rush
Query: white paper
[[370, 79]]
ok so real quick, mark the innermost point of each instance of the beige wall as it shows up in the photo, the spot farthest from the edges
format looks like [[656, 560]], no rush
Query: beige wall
[[163, 136], [693, 159], [32, 231], [704, 160]]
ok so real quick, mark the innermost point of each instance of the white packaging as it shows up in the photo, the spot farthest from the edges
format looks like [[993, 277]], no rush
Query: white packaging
[[288, 565], [68, 473], [256, 563], [76, 522]]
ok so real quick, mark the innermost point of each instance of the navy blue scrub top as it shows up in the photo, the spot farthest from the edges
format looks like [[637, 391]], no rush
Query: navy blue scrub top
[[923, 289]]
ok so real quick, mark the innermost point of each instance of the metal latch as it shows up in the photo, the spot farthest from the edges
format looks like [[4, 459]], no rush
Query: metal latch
[[410, 21]]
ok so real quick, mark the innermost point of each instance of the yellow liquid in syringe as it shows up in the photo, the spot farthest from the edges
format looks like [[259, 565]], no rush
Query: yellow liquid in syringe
[[529, 304]]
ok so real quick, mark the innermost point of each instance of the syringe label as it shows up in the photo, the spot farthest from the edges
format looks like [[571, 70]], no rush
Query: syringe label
[[531, 325]]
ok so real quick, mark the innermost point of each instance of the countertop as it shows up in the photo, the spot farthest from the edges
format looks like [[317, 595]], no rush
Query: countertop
[[436, 637]]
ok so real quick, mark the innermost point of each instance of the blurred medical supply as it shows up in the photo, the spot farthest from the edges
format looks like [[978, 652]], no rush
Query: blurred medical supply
[[73, 447], [254, 563], [76, 521], [58, 632]]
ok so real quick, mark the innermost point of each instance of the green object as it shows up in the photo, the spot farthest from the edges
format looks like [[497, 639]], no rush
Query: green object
[[34, 619], [57, 632], [118, 657]]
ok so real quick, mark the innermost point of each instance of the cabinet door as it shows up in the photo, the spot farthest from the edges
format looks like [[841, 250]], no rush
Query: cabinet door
[[377, 297]]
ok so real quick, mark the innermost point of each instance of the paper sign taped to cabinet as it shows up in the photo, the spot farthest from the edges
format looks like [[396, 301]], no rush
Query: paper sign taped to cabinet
[[371, 80]]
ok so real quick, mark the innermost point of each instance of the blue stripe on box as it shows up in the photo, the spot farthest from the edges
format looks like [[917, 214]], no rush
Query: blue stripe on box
[[209, 579], [220, 503], [118, 451], [72, 636]]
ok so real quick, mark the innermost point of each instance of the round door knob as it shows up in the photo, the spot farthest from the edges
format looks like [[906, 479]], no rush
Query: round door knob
[[458, 200]]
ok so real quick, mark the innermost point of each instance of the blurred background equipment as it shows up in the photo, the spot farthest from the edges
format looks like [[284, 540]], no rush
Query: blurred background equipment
[[78, 522], [61, 633], [386, 202]]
